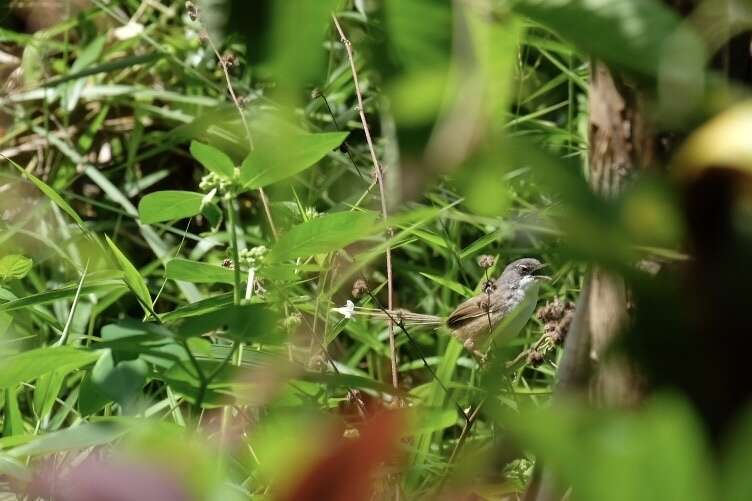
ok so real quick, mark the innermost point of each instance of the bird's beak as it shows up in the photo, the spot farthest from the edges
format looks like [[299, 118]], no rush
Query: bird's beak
[[540, 276]]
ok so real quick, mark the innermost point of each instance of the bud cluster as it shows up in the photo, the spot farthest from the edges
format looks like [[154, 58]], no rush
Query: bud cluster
[[212, 181], [359, 288], [556, 317], [486, 261], [254, 256]]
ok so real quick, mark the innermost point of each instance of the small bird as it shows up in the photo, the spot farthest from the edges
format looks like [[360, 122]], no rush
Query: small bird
[[501, 310]]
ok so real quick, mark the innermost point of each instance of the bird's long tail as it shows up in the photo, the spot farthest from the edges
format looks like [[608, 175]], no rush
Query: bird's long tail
[[408, 318]]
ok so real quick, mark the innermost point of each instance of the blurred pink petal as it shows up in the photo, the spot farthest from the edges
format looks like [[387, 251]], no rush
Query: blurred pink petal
[[108, 480]]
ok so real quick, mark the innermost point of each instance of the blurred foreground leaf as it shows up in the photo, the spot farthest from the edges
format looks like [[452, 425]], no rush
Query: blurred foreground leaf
[[655, 453], [630, 34]]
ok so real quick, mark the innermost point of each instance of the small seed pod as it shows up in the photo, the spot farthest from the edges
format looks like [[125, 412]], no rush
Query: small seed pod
[[191, 10], [359, 288], [486, 261], [229, 59], [535, 358]]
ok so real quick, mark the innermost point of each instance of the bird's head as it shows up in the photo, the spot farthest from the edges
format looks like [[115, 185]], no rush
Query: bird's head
[[523, 272]]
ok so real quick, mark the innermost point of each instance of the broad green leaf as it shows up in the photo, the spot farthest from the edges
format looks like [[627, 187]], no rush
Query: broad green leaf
[[14, 267], [132, 277], [275, 159], [77, 437], [50, 193], [168, 205], [246, 323], [28, 365], [115, 381], [323, 234], [130, 339], [183, 380], [198, 272], [214, 159], [656, 452], [198, 308]]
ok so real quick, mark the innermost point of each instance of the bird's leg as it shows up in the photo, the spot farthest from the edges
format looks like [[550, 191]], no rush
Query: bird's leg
[[469, 345]]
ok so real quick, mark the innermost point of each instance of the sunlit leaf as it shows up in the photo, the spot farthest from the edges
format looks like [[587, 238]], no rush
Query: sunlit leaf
[[198, 272], [214, 159], [168, 205], [28, 365], [323, 234], [281, 157], [14, 267]]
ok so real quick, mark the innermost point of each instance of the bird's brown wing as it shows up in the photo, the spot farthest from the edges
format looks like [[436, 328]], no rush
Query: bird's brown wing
[[471, 309]]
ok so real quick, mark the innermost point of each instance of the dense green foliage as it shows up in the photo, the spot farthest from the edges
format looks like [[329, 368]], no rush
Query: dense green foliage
[[188, 194]]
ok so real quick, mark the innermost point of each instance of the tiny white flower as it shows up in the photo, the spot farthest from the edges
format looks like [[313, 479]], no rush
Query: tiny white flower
[[348, 310], [129, 30]]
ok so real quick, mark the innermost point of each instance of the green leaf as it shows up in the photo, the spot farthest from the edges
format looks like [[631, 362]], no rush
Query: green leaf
[[276, 158], [198, 272], [108, 67], [198, 308], [13, 419], [28, 365], [99, 287], [323, 234], [14, 267], [214, 159], [132, 277], [112, 381], [46, 391], [82, 436], [168, 205], [735, 477], [656, 452], [246, 323]]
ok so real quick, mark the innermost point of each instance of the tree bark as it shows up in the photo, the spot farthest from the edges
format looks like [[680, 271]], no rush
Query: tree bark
[[621, 145]]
